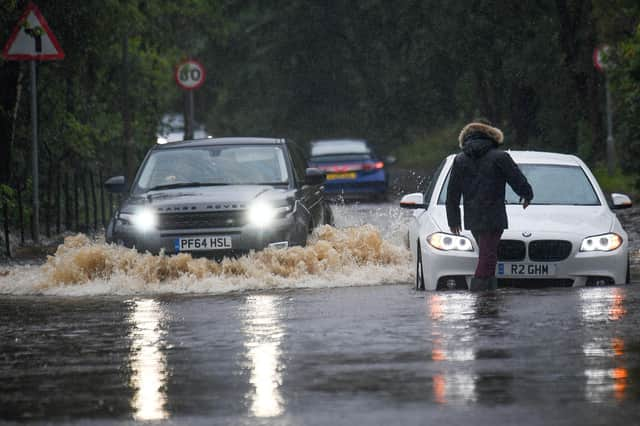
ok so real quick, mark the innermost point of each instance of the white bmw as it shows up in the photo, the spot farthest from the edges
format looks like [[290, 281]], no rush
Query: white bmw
[[569, 235]]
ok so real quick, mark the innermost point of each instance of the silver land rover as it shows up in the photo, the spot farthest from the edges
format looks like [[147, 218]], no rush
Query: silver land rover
[[219, 197]]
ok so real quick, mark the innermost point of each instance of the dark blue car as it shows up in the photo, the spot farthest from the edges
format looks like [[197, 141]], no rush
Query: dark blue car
[[353, 170]]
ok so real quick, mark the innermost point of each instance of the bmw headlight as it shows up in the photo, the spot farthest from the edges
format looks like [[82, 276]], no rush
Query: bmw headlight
[[144, 219], [604, 242], [262, 213], [449, 242]]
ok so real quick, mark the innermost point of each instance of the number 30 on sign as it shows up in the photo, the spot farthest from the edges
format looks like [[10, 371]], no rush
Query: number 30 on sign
[[190, 74]]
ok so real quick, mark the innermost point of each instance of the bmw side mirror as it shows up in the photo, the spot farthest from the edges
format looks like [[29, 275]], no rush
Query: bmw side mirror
[[314, 176], [116, 184], [413, 201], [620, 201]]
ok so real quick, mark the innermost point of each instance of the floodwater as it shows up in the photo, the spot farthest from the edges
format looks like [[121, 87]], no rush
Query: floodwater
[[365, 248], [307, 345]]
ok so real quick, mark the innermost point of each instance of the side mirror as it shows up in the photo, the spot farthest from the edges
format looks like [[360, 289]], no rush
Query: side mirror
[[116, 184], [413, 201], [389, 159], [314, 176], [620, 201]]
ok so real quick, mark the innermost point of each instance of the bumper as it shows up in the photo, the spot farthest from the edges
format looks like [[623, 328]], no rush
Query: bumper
[[366, 184], [579, 269], [243, 239]]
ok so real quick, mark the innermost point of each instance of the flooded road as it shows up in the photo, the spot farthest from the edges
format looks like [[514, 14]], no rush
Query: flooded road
[[317, 352], [383, 354]]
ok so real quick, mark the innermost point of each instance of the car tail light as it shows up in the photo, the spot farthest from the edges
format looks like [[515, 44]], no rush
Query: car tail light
[[373, 166]]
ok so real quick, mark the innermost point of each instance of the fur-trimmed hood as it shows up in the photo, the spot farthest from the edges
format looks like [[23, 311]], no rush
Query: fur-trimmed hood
[[490, 132]]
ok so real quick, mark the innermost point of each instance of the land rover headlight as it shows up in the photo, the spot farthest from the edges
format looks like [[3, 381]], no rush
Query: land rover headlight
[[449, 242], [262, 213], [144, 219], [604, 242]]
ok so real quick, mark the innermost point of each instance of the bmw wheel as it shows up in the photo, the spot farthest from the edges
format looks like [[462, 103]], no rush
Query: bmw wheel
[[419, 271]]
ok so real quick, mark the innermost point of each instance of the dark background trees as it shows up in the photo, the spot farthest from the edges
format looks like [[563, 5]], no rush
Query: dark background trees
[[405, 75]]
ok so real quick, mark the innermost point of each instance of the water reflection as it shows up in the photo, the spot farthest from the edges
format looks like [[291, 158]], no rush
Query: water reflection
[[148, 361], [605, 371], [264, 336], [452, 342]]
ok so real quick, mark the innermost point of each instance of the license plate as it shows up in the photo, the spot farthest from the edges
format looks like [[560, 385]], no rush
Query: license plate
[[203, 243], [525, 269], [334, 176]]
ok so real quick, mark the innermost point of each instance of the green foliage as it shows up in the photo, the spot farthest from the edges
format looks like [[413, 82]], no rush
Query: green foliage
[[427, 150], [405, 76], [626, 85], [7, 195], [619, 182]]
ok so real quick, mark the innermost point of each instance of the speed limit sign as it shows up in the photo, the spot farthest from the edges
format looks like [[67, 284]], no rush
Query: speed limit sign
[[190, 74]]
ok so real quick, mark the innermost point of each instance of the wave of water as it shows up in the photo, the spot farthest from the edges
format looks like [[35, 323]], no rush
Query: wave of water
[[354, 253]]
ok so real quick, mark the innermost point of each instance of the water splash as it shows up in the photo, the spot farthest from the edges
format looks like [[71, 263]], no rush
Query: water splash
[[334, 257]]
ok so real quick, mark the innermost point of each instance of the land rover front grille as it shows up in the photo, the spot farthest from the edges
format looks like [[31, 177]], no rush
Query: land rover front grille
[[202, 220]]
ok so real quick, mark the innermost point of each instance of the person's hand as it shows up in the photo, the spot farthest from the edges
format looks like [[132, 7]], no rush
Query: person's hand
[[455, 230], [525, 204]]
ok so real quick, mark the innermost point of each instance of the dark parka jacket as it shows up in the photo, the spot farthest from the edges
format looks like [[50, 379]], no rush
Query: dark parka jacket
[[479, 174]]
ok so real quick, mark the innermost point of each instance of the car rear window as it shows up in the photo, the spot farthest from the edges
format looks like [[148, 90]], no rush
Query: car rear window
[[552, 185], [339, 147]]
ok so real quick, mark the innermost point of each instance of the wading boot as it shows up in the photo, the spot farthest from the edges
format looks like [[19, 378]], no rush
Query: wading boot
[[479, 284], [492, 283]]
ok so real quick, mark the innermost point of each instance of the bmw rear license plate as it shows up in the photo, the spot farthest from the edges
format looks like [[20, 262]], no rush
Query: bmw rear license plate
[[203, 243], [525, 269]]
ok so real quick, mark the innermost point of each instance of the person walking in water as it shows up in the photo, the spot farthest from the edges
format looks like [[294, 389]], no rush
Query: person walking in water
[[478, 175]]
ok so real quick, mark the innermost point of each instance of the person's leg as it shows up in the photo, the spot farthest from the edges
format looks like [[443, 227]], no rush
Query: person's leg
[[488, 253], [484, 277]]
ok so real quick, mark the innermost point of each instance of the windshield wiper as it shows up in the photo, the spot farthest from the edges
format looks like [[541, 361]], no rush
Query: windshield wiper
[[267, 183], [184, 185]]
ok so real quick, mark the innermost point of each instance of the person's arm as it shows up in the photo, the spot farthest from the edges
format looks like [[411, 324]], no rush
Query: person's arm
[[454, 193], [516, 180]]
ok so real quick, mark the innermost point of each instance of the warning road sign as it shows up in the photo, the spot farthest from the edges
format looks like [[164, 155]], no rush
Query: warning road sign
[[32, 39]]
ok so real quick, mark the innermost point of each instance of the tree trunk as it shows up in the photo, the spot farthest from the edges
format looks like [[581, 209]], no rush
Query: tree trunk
[[5, 214], [34, 231], [85, 200], [67, 203], [9, 101], [127, 136], [20, 213], [102, 211], [110, 206], [48, 202], [58, 203], [578, 39], [76, 207], [94, 201], [486, 107]]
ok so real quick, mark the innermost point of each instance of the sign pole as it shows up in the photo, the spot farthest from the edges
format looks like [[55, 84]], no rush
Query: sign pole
[[189, 75], [601, 66], [191, 114], [32, 40], [611, 152], [34, 153]]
